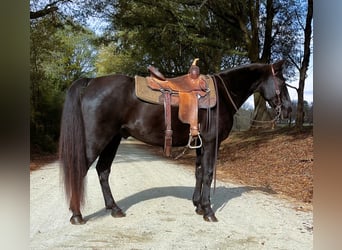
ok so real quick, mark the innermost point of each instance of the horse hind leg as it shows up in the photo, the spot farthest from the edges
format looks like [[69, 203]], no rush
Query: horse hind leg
[[76, 218], [76, 200], [103, 168]]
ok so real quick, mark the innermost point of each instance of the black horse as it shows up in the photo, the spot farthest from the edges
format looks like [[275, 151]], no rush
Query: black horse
[[99, 112]]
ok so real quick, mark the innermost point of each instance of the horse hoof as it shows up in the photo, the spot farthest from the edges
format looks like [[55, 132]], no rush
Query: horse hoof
[[117, 213], [77, 220], [210, 218], [199, 211]]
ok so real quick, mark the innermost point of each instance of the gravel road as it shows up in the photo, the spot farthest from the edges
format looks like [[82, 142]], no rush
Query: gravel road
[[156, 195]]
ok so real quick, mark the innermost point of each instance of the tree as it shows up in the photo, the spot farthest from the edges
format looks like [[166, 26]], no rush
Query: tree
[[58, 56], [303, 64], [110, 61], [167, 34], [221, 33], [307, 112], [265, 26], [170, 35]]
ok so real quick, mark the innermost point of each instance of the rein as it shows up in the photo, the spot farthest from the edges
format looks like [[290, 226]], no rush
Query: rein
[[277, 108], [228, 94], [276, 118], [216, 135]]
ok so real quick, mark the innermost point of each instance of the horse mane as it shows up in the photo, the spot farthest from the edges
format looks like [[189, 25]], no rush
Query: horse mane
[[245, 67]]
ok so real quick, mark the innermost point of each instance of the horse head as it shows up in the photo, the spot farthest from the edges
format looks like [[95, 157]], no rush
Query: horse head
[[274, 90]]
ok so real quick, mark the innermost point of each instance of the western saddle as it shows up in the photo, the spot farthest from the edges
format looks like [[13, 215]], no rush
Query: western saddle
[[184, 91]]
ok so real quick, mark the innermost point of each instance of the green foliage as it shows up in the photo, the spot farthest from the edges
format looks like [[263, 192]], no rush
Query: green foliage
[[111, 61], [168, 34], [59, 55]]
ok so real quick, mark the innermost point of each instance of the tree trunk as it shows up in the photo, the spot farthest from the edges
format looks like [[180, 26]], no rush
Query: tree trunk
[[40, 13], [261, 114], [304, 66], [300, 105]]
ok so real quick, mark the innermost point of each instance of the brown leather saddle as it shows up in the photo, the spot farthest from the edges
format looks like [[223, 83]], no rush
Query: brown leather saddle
[[187, 92]]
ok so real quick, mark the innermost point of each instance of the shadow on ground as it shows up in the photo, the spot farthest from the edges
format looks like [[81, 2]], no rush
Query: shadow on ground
[[221, 197]]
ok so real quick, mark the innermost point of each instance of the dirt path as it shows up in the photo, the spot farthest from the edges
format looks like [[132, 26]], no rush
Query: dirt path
[[156, 195]]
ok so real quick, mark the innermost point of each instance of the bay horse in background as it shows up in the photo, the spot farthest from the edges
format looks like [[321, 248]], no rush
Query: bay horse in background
[[99, 112]]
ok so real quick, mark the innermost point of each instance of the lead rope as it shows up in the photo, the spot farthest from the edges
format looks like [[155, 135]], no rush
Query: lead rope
[[217, 129], [216, 135], [168, 129], [217, 121], [277, 108], [228, 94]]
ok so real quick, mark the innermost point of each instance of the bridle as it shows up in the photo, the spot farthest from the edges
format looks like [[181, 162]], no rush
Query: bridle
[[277, 109], [276, 118], [277, 91]]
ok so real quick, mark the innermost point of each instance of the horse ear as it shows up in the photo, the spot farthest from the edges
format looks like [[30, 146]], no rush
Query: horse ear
[[278, 66]]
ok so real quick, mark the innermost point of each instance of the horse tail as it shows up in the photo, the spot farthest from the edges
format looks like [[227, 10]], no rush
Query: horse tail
[[72, 147]]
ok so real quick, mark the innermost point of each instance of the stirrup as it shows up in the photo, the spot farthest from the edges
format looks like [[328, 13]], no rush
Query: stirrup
[[195, 139]]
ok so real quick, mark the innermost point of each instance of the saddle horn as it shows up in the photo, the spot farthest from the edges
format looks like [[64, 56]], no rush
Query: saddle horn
[[194, 70]]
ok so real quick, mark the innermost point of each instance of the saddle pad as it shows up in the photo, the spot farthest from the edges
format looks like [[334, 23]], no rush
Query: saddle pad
[[146, 94]]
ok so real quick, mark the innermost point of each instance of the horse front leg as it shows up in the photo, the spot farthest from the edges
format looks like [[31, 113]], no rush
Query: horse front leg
[[197, 195], [208, 161], [103, 168]]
